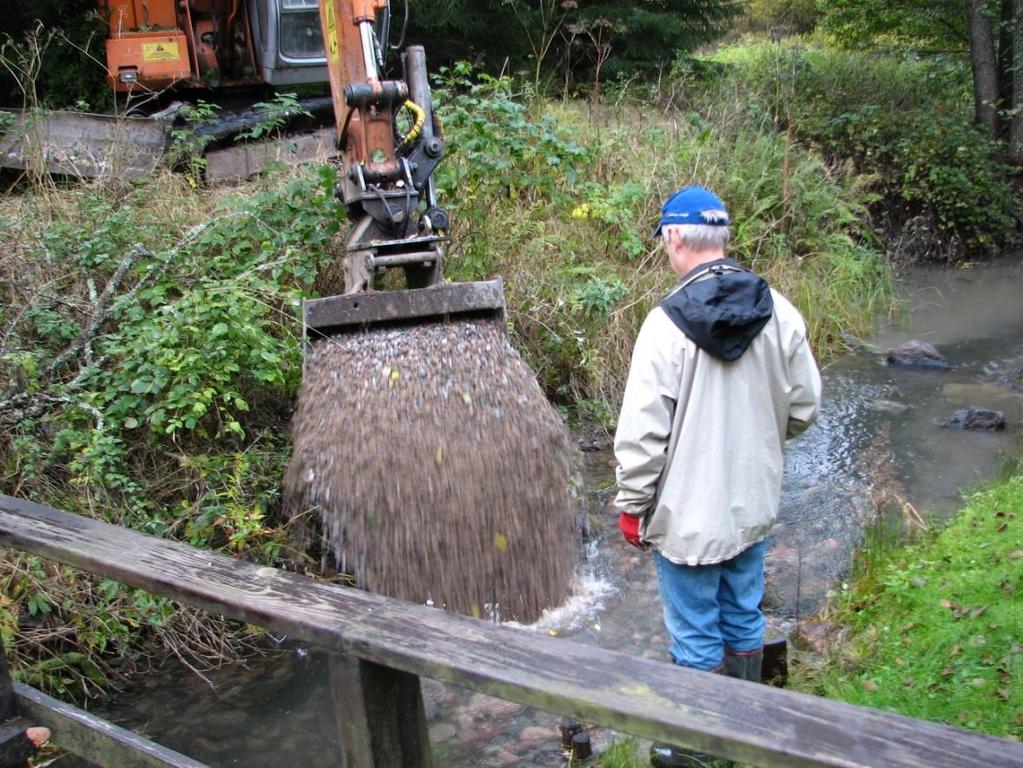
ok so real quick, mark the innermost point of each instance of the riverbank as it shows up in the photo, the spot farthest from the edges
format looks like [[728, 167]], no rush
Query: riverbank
[[934, 629]]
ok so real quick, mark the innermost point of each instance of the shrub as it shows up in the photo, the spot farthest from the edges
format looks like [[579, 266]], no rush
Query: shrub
[[903, 122]]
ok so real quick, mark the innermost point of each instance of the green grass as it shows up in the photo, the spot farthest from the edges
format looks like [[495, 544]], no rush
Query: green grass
[[937, 627]]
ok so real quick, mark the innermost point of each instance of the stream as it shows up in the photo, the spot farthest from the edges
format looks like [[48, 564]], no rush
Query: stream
[[879, 447]]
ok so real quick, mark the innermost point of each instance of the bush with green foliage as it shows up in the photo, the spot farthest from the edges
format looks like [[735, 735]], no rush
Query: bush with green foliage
[[151, 351], [906, 123]]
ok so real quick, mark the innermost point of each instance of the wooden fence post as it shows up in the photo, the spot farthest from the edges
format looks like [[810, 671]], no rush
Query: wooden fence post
[[8, 706], [381, 719], [15, 748]]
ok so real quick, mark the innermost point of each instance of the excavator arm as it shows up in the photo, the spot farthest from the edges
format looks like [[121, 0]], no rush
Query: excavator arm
[[387, 179]]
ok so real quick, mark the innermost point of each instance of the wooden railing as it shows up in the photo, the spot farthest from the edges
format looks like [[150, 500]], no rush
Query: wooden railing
[[383, 646]]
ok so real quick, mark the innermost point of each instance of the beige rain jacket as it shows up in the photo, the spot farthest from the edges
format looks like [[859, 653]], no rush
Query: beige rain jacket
[[699, 440]]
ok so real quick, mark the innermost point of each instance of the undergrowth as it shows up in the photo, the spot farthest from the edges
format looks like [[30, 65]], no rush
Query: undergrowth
[[150, 352], [563, 209]]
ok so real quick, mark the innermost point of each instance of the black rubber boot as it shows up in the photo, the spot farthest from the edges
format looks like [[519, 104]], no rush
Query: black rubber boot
[[745, 666]]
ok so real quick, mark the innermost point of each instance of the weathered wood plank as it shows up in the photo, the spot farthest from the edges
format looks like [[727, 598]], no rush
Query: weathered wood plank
[[754, 724], [381, 719], [103, 743]]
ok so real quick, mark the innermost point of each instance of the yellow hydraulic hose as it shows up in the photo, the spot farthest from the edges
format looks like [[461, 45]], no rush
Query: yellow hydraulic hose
[[417, 127]]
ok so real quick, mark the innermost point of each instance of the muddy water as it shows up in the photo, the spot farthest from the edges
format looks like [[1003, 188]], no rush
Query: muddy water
[[879, 444]]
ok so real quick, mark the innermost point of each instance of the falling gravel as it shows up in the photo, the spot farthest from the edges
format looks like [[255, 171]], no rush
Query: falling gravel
[[439, 471]]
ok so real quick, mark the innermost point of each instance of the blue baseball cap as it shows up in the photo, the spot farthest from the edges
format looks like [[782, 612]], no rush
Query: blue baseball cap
[[693, 205]]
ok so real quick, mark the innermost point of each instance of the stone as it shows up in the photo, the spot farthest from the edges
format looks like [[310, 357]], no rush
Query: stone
[[975, 418], [441, 732], [917, 354], [889, 406], [534, 734], [817, 635]]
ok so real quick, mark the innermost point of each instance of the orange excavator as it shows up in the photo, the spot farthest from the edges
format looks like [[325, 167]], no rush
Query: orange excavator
[[387, 181], [156, 44], [387, 174]]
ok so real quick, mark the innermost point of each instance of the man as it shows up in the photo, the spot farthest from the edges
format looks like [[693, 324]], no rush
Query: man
[[721, 375]]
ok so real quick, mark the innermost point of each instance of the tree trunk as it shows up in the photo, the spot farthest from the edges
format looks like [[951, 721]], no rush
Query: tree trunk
[[984, 65], [1016, 122]]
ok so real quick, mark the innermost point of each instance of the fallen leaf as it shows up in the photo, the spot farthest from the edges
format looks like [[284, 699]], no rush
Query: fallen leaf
[[947, 671], [955, 650], [978, 612], [501, 542], [1003, 694], [1016, 554], [467, 398], [1002, 527], [439, 456], [945, 603], [869, 685], [978, 682]]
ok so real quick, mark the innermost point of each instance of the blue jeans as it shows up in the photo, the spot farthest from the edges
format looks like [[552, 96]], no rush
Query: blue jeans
[[709, 609]]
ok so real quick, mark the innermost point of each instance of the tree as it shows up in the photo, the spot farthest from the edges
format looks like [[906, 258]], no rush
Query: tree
[[628, 38], [990, 32]]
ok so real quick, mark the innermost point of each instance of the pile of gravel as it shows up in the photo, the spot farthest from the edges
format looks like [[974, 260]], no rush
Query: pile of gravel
[[438, 468]]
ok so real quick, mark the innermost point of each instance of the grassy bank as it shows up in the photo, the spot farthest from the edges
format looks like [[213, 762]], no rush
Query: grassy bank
[[935, 629]]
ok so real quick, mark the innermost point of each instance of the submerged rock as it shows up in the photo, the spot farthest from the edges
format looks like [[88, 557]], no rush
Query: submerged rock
[[893, 407], [978, 419], [917, 354]]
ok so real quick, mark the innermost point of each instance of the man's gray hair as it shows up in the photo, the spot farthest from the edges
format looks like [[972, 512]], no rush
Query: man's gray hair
[[699, 237]]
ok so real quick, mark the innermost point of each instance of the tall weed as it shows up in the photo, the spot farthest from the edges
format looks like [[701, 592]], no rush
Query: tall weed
[[573, 241]]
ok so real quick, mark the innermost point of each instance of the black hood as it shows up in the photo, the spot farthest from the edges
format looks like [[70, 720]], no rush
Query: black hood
[[723, 312]]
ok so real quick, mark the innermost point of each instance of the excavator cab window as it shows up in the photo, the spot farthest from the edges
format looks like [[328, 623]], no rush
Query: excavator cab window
[[300, 29]]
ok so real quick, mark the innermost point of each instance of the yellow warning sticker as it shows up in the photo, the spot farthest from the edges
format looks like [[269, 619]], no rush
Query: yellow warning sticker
[[332, 48], [160, 51]]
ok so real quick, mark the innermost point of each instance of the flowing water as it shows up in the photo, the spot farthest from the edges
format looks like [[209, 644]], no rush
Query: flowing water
[[879, 444]]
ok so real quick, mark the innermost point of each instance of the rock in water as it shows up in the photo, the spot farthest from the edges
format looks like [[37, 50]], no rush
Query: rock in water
[[438, 468], [917, 354], [982, 419]]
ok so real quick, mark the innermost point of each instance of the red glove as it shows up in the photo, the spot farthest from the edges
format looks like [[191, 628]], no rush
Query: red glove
[[629, 526]]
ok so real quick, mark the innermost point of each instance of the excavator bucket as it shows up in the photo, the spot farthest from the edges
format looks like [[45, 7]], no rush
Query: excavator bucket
[[447, 301]]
